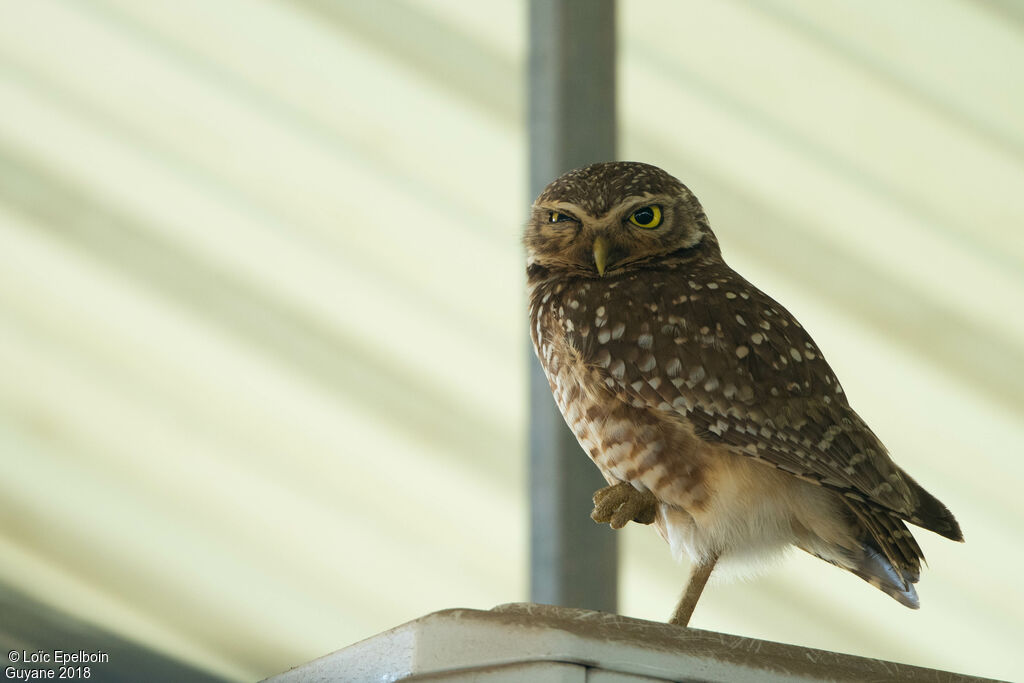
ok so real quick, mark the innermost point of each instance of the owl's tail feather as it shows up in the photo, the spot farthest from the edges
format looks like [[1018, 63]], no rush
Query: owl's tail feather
[[875, 568], [890, 558], [879, 572], [889, 536], [931, 514]]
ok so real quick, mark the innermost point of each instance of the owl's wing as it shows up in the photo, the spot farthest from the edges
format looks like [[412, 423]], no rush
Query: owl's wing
[[743, 371]]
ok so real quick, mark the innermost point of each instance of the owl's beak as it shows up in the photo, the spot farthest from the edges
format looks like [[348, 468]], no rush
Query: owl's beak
[[600, 254]]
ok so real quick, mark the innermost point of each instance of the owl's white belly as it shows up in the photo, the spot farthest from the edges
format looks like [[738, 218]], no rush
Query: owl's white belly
[[753, 514]]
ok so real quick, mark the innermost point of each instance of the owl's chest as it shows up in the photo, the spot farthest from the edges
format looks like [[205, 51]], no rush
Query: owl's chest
[[596, 333], [578, 389], [572, 331], [563, 331]]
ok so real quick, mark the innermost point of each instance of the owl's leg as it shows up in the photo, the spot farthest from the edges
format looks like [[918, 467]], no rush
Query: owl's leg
[[622, 503], [687, 603]]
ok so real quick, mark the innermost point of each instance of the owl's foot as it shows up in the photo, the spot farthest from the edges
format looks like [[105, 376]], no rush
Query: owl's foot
[[621, 504]]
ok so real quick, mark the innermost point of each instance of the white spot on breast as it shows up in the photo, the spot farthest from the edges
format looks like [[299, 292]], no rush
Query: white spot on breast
[[603, 358], [730, 295], [600, 311], [604, 335], [673, 367], [679, 403], [647, 363], [655, 382], [645, 341], [742, 351], [809, 355], [740, 320], [795, 353], [617, 330], [757, 337], [711, 384], [617, 369], [712, 285], [694, 285], [765, 325]]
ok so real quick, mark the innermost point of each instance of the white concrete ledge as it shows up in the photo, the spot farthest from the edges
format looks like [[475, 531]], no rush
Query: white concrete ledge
[[544, 644]]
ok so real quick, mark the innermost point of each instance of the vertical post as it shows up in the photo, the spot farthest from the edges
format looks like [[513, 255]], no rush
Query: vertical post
[[573, 561]]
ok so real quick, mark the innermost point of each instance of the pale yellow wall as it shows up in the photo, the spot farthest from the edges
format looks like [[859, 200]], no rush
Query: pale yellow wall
[[262, 341]]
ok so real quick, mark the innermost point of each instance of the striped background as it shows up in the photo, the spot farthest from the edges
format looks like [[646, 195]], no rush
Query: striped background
[[262, 327]]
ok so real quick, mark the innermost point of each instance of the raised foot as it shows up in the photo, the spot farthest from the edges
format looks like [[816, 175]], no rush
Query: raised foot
[[621, 504]]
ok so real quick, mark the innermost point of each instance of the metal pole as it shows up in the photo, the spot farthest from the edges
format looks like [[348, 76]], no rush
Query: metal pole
[[573, 561]]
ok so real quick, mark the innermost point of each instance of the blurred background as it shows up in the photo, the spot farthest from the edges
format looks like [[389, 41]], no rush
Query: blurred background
[[262, 322]]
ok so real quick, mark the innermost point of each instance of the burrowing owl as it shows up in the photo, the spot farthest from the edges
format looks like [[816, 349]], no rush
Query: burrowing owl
[[707, 407]]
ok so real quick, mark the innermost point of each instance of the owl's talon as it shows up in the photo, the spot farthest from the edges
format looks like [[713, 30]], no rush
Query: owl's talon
[[622, 503]]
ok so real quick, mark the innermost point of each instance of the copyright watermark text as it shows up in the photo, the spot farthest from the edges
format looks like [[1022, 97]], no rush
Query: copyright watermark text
[[32, 665]]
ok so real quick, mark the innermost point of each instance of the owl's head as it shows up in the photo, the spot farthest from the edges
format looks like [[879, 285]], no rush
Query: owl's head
[[609, 218]]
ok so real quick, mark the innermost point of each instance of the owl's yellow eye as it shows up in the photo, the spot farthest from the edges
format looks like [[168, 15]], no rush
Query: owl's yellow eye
[[555, 217], [646, 217]]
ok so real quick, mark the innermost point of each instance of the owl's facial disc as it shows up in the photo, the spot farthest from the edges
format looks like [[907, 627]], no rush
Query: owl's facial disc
[[607, 219], [637, 229]]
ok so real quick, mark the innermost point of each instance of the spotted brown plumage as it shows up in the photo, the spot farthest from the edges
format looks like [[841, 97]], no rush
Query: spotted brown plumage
[[685, 381]]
